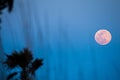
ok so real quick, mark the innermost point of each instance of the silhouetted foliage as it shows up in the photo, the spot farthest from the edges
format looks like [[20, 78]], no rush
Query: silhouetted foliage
[[6, 3], [11, 75], [23, 59], [35, 65]]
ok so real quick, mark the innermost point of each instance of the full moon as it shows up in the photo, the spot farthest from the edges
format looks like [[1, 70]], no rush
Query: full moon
[[103, 37]]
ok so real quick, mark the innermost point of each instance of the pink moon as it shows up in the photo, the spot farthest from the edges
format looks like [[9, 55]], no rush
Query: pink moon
[[103, 37]]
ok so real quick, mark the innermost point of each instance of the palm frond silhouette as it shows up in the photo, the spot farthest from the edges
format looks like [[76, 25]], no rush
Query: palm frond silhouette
[[6, 3], [24, 60]]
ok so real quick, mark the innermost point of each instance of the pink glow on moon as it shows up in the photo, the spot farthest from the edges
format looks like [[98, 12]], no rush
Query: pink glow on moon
[[103, 37]]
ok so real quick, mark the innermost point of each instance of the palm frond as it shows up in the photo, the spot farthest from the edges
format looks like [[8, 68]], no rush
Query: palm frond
[[12, 60], [11, 75], [35, 65], [6, 3], [23, 59], [10, 5], [26, 58]]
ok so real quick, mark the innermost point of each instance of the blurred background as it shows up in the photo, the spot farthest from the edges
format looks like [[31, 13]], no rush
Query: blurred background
[[61, 32]]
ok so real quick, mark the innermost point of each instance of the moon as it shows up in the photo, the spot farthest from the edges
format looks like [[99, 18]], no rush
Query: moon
[[103, 37]]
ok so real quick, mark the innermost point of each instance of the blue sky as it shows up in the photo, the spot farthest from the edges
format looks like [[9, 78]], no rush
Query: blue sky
[[62, 33]]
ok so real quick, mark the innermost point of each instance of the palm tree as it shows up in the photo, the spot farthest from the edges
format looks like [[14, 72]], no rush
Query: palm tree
[[24, 60]]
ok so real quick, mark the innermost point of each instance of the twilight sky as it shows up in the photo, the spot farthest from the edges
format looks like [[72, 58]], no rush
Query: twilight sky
[[62, 33]]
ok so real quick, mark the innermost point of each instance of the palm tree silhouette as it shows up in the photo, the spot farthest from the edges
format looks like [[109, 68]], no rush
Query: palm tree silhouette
[[24, 60]]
